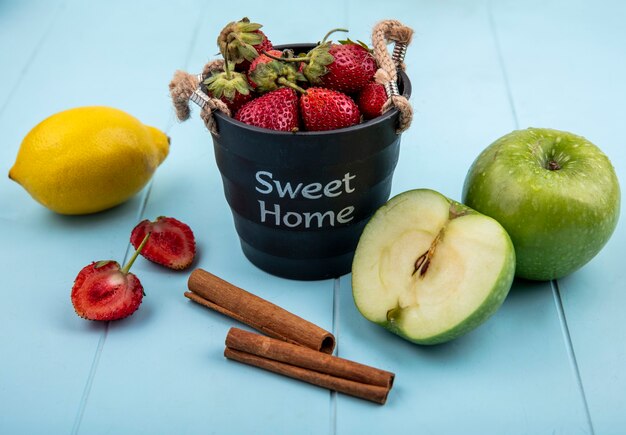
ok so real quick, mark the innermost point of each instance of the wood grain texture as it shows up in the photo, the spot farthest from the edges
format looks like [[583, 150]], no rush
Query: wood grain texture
[[570, 78]]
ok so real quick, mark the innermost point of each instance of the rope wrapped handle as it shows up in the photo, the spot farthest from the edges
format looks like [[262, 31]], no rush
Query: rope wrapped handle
[[387, 75], [185, 87]]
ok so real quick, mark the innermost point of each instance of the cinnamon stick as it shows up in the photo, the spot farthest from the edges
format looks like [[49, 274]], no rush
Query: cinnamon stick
[[307, 365], [223, 297]]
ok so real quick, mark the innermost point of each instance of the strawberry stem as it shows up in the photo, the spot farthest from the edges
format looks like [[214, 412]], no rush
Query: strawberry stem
[[128, 265], [226, 65], [331, 32], [286, 59], [283, 81]]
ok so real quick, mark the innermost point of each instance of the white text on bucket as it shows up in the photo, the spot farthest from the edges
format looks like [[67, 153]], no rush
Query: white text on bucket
[[310, 191]]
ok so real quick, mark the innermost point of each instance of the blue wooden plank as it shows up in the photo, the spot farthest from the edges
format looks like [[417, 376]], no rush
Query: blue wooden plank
[[93, 54], [511, 375], [16, 56], [570, 76]]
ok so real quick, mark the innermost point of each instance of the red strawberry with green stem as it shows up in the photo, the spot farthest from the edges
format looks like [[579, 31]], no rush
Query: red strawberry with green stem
[[241, 42], [229, 86], [325, 109], [258, 72], [268, 72], [273, 75], [344, 67], [172, 243], [103, 291], [371, 100], [263, 57], [276, 110], [353, 67]]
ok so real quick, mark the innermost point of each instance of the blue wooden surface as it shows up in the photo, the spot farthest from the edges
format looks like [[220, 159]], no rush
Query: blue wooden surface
[[552, 360]]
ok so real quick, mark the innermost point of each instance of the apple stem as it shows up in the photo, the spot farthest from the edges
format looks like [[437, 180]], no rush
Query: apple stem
[[456, 212], [553, 165], [128, 265]]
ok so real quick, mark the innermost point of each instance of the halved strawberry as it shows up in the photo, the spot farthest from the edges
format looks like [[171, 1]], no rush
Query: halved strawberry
[[103, 291], [171, 244]]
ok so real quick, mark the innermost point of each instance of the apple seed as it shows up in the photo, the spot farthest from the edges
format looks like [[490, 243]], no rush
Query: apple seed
[[423, 261]]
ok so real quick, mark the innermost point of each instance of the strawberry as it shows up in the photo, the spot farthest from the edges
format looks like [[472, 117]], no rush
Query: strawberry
[[172, 243], [344, 67], [238, 101], [353, 67], [241, 42], [265, 45], [270, 71], [262, 59], [371, 100], [229, 86], [103, 291], [325, 109], [276, 110]]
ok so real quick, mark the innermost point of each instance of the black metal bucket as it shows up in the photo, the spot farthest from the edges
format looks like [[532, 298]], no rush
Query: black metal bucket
[[301, 200]]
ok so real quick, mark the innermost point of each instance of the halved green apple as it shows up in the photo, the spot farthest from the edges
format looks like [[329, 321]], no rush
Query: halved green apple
[[431, 269]]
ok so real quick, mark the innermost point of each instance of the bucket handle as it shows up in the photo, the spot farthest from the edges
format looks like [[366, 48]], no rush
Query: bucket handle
[[185, 87], [387, 75]]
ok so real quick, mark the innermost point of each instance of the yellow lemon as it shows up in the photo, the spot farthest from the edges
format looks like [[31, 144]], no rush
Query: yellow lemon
[[88, 159]]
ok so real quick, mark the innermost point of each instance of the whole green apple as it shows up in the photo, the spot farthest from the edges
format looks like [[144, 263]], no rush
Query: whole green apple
[[431, 269], [555, 193]]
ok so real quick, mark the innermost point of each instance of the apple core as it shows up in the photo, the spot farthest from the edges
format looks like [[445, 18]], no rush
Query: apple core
[[430, 269]]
